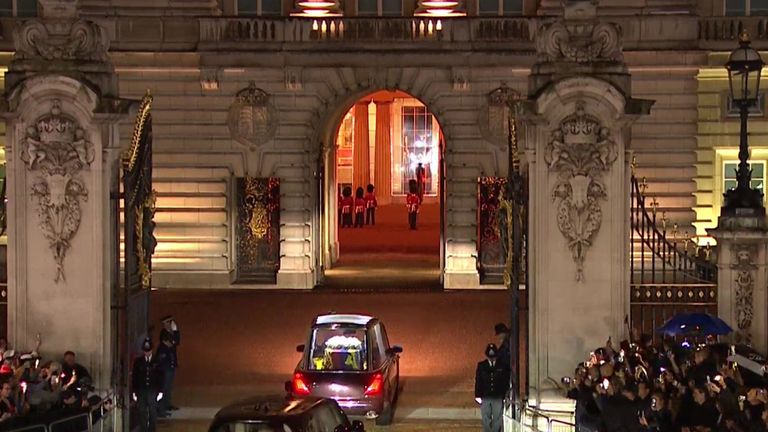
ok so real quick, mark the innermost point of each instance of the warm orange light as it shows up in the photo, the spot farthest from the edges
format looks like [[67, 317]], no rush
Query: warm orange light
[[375, 386], [313, 4], [299, 386], [439, 4]]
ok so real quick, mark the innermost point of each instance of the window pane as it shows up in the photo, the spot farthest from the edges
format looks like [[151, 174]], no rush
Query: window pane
[[247, 7], [730, 184], [338, 348], [735, 7], [758, 7], [27, 8], [271, 7], [6, 7], [488, 7], [513, 7], [756, 184], [758, 168], [729, 171], [392, 7], [367, 7]]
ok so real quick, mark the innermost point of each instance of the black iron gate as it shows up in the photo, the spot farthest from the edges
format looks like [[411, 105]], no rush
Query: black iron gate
[[667, 275], [139, 245], [258, 230]]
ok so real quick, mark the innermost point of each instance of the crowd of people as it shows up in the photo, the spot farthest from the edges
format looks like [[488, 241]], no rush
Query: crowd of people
[[672, 385], [34, 391]]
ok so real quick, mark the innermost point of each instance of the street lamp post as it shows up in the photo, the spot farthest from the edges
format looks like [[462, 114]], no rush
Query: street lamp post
[[744, 67]]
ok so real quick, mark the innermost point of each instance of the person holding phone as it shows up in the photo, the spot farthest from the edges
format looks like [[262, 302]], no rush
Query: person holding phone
[[657, 418]]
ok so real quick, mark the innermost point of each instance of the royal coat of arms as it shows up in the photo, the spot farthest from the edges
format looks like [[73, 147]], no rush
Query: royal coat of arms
[[252, 118]]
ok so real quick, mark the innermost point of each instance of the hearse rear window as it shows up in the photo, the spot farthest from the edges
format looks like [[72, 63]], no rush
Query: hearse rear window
[[338, 347]]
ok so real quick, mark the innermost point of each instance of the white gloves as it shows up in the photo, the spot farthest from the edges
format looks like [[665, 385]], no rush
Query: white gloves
[[135, 398], [479, 400], [159, 396], [174, 327]]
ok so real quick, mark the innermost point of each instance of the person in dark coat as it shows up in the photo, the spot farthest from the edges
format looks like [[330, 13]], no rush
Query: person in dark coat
[[170, 332], [167, 360], [502, 333], [491, 387], [147, 385]]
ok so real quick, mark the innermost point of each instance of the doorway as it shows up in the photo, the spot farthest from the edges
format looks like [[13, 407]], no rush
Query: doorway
[[386, 140]]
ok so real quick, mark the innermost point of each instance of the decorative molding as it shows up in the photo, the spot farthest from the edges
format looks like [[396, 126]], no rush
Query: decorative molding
[[293, 80], [57, 149], [460, 79], [580, 37], [252, 118], [493, 119], [743, 258], [63, 39], [580, 151]]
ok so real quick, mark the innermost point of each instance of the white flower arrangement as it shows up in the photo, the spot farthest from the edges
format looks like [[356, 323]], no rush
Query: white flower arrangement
[[343, 342]]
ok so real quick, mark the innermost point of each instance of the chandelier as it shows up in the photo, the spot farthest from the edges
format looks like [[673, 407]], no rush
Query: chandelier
[[439, 8], [317, 8]]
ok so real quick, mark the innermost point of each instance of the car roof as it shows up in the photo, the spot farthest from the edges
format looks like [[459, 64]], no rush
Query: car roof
[[343, 319], [265, 408]]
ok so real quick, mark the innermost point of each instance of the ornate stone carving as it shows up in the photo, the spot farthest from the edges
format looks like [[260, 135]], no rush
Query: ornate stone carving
[[54, 40], [252, 118], [57, 149], [579, 37], [580, 151], [744, 256], [494, 115]]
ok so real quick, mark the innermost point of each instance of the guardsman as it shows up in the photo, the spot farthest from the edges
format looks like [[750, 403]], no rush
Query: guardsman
[[491, 386], [412, 202], [346, 204], [421, 181], [147, 385], [370, 206], [359, 208], [170, 331]]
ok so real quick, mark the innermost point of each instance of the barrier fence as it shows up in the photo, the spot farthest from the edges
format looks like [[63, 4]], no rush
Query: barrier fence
[[96, 419], [525, 418]]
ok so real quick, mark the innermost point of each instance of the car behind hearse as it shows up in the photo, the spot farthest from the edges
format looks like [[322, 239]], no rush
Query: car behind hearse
[[280, 414], [348, 358]]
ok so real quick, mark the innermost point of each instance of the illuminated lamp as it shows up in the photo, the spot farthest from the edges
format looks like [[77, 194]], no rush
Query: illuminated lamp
[[439, 9], [317, 9]]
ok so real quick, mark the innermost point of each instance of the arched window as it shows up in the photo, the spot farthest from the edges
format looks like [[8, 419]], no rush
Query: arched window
[[500, 7], [746, 7], [259, 7], [18, 8], [380, 7]]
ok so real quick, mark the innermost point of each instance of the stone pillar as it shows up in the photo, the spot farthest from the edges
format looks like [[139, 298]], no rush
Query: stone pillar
[[577, 139], [742, 278], [62, 149]]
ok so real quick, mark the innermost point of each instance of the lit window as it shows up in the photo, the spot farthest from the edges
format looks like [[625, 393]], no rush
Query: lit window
[[259, 7], [380, 7], [18, 8], [758, 175], [500, 7], [746, 7], [417, 145]]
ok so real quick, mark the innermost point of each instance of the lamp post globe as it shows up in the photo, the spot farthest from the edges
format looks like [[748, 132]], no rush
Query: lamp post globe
[[744, 67]]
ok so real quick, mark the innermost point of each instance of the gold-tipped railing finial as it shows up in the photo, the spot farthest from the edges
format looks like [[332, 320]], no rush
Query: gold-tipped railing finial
[[129, 157]]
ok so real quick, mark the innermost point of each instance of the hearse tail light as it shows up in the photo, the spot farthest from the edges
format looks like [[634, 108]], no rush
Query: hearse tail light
[[300, 386], [376, 386]]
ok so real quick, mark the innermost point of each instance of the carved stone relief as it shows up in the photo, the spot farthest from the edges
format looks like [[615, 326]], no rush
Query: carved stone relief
[[580, 37], [580, 151], [743, 264], [61, 40], [252, 118], [494, 115], [56, 148]]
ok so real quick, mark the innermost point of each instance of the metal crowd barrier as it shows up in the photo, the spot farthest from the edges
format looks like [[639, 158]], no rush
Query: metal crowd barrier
[[89, 420], [525, 418]]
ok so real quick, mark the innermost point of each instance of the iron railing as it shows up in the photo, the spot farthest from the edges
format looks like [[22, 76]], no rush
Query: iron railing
[[97, 419], [523, 417], [667, 275]]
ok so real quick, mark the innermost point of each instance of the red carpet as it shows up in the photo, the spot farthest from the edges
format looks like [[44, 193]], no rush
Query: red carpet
[[391, 233]]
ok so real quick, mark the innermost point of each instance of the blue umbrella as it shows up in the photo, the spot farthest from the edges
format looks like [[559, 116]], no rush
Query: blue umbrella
[[698, 323]]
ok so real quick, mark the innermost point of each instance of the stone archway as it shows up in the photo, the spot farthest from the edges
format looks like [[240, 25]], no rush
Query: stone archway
[[423, 249]]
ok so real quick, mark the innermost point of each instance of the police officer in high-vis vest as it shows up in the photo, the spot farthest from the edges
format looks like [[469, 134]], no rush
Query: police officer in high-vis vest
[[147, 385]]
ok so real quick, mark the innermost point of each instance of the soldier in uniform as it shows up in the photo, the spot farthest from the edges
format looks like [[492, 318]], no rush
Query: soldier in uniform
[[170, 332], [491, 386], [147, 385], [412, 202]]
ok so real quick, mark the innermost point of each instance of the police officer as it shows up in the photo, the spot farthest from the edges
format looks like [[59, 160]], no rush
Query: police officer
[[171, 333], [166, 357], [502, 334], [491, 386], [147, 384]]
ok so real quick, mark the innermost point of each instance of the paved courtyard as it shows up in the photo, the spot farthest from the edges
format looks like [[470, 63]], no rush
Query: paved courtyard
[[241, 343]]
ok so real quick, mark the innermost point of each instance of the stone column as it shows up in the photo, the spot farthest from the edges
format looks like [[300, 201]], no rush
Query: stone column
[[576, 139], [62, 144], [742, 278]]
